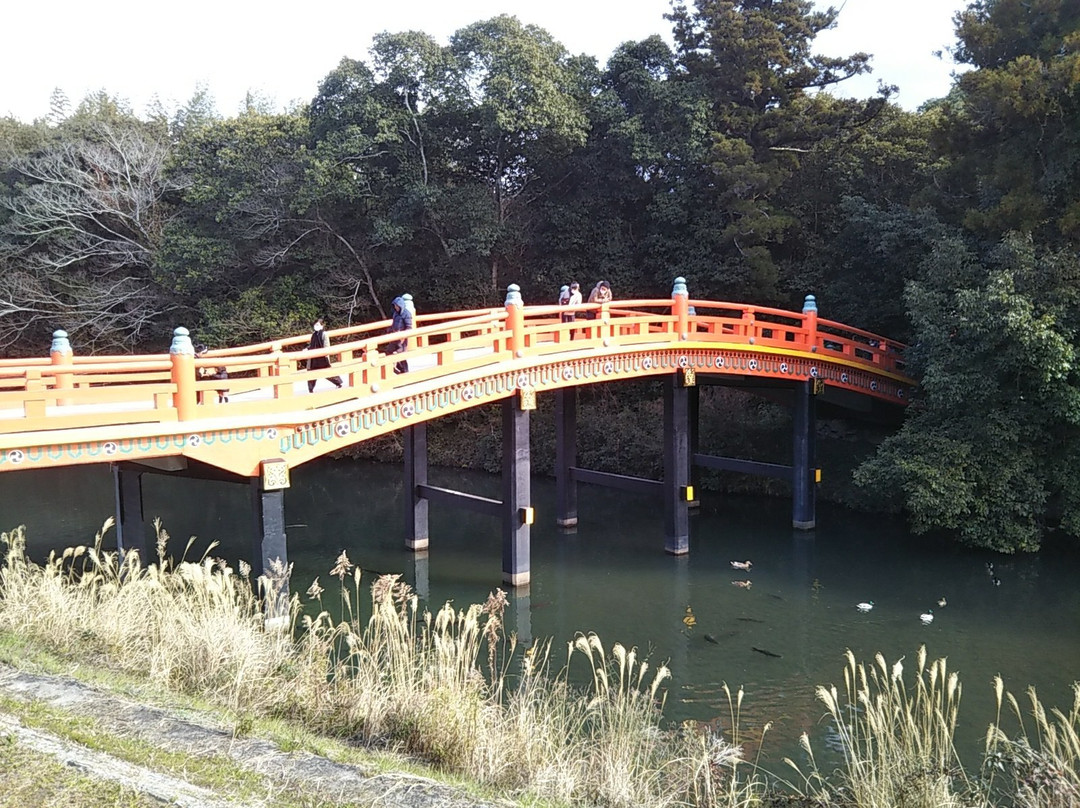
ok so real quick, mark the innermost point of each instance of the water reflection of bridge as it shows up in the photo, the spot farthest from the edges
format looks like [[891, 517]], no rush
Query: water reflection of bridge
[[153, 414]]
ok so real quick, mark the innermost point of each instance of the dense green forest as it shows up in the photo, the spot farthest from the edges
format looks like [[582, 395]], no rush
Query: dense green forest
[[732, 159]]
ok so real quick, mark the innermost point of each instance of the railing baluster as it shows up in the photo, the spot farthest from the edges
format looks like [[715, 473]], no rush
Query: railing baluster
[[182, 355], [61, 354], [515, 321], [810, 313], [34, 405]]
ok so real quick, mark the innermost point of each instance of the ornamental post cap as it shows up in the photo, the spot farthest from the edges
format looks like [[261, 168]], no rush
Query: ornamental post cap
[[809, 305], [513, 295], [60, 342], [680, 288], [181, 342]]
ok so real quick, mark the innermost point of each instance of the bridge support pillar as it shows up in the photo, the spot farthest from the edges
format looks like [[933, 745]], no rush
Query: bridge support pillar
[[676, 486], [416, 474], [130, 522], [803, 467], [270, 557], [565, 456], [516, 506], [421, 576]]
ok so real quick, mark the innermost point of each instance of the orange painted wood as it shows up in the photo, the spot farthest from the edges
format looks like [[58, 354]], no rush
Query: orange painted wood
[[105, 408]]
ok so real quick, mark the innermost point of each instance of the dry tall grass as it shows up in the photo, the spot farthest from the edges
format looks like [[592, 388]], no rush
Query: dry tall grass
[[194, 626], [1041, 771], [450, 688], [896, 740], [445, 686]]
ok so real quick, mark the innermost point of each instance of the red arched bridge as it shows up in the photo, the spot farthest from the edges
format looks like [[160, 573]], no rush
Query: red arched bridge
[[157, 413]]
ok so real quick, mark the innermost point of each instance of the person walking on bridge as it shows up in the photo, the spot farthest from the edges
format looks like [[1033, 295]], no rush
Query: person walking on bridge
[[402, 321], [317, 342]]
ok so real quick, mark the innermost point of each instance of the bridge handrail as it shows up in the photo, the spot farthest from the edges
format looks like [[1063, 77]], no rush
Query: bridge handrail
[[171, 385], [372, 329]]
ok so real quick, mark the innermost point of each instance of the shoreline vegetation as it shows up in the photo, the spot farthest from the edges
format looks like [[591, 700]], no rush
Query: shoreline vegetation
[[451, 690]]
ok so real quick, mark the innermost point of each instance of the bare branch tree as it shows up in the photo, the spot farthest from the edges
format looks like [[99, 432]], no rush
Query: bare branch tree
[[84, 225]]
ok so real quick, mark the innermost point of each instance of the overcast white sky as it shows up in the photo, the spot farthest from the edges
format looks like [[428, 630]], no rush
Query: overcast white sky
[[138, 49]]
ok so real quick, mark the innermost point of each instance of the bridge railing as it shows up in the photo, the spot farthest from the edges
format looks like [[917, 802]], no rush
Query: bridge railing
[[91, 392], [67, 391]]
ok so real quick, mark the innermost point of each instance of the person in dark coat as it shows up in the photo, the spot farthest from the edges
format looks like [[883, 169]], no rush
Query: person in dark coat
[[402, 321], [318, 340]]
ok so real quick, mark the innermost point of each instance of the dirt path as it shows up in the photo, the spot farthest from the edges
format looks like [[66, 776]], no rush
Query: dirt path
[[314, 775]]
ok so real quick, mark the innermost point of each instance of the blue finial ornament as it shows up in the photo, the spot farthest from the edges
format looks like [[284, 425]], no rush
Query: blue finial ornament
[[181, 342], [513, 295], [809, 305], [60, 342], [680, 288]]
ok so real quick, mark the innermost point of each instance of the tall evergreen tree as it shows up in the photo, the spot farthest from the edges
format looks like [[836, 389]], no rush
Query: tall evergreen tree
[[1013, 121], [754, 62]]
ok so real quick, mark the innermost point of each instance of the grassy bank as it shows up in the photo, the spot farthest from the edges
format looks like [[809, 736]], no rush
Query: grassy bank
[[449, 689]]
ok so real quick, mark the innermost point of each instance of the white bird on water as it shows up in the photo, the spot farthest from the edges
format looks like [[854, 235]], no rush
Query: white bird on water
[[927, 617], [865, 606]]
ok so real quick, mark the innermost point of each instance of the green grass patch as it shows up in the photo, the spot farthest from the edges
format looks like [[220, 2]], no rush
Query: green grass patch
[[30, 779]]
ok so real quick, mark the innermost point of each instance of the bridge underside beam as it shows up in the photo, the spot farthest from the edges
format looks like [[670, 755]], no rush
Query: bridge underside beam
[[269, 558], [680, 431], [759, 469], [460, 499], [635, 485], [514, 509]]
